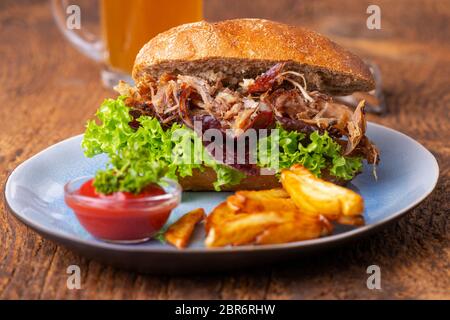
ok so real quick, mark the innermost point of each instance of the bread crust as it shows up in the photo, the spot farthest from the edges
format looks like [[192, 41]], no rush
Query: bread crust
[[247, 47], [203, 181]]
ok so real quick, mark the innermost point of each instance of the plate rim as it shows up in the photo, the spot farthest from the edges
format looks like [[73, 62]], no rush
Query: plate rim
[[336, 238]]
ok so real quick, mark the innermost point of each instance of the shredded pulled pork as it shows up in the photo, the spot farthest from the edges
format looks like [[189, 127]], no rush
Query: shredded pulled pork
[[277, 95]]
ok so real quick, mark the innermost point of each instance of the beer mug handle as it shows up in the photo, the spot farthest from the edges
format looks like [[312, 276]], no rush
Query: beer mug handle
[[83, 40]]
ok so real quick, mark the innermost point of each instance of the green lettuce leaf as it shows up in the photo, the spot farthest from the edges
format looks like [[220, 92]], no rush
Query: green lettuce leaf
[[142, 156], [318, 152]]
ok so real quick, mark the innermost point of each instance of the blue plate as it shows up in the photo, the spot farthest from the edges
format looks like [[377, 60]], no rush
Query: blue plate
[[34, 193]]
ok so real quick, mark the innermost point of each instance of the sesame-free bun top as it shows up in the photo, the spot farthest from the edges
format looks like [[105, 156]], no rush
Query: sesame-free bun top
[[244, 48]]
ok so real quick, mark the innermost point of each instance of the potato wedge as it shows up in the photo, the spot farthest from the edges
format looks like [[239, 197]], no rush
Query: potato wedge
[[304, 227], [179, 233], [241, 228], [261, 201], [316, 196], [300, 211], [220, 215], [264, 194], [271, 194]]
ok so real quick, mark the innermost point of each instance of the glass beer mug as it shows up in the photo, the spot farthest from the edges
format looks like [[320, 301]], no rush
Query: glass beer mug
[[124, 26]]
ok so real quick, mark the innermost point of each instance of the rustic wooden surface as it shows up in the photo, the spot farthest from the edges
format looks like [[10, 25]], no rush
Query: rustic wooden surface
[[48, 90]]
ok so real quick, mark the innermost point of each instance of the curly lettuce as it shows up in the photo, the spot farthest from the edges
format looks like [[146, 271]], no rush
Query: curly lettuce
[[317, 152], [142, 156]]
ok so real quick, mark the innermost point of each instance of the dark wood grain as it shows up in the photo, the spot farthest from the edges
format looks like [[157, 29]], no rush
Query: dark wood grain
[[48, 91]]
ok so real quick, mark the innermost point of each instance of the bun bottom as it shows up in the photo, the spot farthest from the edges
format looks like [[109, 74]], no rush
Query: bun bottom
[[203, 181]]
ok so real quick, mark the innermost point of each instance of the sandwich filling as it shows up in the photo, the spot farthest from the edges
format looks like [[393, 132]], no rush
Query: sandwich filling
[[325, 136]]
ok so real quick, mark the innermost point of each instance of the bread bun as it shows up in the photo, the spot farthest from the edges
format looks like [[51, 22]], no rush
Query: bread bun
[[244, 48], [203, 181]]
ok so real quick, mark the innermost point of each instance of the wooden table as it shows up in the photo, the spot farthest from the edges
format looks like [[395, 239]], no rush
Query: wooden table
[[48, 91]]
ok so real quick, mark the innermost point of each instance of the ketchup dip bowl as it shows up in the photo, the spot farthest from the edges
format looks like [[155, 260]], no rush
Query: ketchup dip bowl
[[122, 219]]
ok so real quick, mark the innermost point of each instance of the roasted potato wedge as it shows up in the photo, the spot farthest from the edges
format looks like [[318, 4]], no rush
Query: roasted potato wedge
[[316, 196], [261, 201], [300, 211], [220, 215], [272, 194], [179, 233], [239, 229], [304, 227], [264, 194]]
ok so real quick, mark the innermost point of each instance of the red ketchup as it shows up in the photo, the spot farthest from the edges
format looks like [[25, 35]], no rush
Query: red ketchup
[[121, 216]]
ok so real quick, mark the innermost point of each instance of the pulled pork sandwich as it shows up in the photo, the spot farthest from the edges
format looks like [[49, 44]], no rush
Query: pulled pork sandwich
[[234, 76]]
